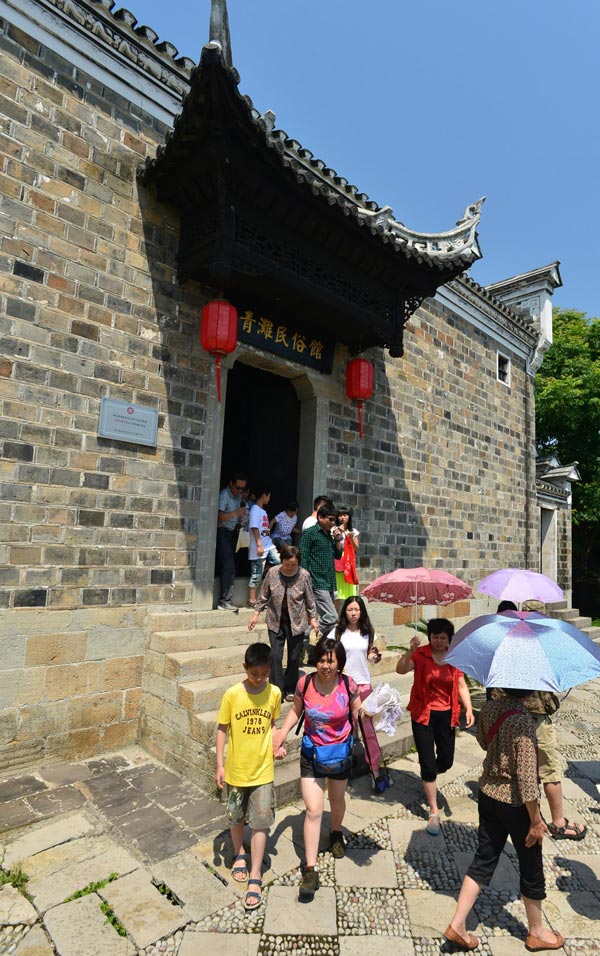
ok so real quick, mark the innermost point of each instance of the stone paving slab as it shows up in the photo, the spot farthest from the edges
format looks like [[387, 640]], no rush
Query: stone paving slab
[[53, 888], [144, 912], [156, 778], [363, 867], [218, 854], [461, 810], [410, 836], [35, 943], [60, 800], [429, 913], [584, 867], [66, 773], [573, 914], [47, 835], [458, 769], [80, 928], [579, 788], [164, 842], [363, 810], [286, 916], [59, 857], [200, 891], [15, 909], [219, 944], [588, 768], [282, 856], [20, 786], [508, 946], [16, 813], [374, 946]]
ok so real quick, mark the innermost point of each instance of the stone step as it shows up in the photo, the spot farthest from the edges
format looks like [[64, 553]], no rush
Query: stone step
[[200, 696], [188, 620], [206, 638], [580, 622], [556, 606], [203, 721], [564, 614], [593, 633], [195, 665], [199, 665]]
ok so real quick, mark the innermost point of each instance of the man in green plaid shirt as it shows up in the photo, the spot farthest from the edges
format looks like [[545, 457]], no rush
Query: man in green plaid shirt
[[318, 548]]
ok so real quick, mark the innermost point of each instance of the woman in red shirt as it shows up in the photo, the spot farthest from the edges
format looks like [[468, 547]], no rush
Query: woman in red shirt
[[435, 700]]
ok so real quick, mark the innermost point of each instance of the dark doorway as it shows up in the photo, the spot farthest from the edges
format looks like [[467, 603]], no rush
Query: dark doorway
[[261, 433]]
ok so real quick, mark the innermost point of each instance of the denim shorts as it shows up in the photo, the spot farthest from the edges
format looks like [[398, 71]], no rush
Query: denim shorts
[[257, 806], [257, 564]]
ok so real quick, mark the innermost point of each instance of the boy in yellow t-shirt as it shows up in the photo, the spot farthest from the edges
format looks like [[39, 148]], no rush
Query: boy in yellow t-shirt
[[247, 714]]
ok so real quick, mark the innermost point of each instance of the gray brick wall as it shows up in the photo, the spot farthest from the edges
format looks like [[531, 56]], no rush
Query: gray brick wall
[[90, 307]]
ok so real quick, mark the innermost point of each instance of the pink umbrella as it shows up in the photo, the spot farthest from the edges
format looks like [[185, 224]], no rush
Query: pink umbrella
[[516, 584], [411, 587]]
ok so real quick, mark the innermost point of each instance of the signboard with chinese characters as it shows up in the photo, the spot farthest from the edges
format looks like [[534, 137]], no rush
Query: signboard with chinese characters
[[285, 340], [126, 422]]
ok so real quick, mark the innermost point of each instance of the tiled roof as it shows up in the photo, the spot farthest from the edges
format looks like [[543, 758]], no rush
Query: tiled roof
[[120, 29], [456, 245], [453, 251]]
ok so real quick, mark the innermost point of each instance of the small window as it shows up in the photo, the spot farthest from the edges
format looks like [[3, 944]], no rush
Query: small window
[[503, 369]]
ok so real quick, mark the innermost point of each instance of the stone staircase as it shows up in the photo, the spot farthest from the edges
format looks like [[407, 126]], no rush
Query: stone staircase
[[193, 656], [560, 610], [191, 659]]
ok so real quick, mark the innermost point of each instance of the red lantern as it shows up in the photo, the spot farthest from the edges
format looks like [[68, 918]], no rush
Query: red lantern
[[359, 384], [218, 332]]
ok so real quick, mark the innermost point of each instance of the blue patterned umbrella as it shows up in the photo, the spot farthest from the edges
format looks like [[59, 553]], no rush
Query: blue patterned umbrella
[[524, 649]]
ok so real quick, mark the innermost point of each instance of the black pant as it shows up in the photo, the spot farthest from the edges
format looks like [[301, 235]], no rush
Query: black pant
[[435, 744], [295, 643], [226, 561], [498, 821]]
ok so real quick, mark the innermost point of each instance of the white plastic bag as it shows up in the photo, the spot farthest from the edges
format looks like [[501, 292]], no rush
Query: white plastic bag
[[384, 700]]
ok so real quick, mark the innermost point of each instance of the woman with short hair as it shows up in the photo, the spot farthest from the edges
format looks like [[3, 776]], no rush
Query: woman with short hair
[[287, 594], [435, 701]]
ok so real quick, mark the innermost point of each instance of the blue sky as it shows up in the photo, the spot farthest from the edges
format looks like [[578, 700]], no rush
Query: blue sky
[[428, 105]]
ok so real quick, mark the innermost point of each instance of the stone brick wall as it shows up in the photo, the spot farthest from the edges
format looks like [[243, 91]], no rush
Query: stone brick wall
[[564, 561], [444, 473], [89, 307], [69, 682], [92, 532]]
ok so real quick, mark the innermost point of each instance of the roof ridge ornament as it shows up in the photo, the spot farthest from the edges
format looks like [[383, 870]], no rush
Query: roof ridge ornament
[[219, 29], [473, 211]]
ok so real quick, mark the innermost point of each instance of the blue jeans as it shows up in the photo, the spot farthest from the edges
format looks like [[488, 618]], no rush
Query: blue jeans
[[271, 557]]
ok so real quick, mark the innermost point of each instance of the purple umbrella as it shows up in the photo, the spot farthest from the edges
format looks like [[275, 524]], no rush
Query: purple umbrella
[[518, 585]]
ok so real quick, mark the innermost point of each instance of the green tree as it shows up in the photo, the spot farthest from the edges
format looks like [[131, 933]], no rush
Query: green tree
[[567, 392]]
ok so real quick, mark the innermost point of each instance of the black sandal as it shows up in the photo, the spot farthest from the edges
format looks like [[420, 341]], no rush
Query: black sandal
[[560, 833], [239, 870], [253, 899]]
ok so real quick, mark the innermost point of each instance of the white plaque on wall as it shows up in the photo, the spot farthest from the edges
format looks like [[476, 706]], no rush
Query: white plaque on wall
[[123, 421]]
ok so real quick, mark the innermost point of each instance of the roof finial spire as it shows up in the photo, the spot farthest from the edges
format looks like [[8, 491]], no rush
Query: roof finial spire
[[219, 29]]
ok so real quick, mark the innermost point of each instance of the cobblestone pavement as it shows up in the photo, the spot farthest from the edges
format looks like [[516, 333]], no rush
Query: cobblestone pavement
[[151, 852]]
